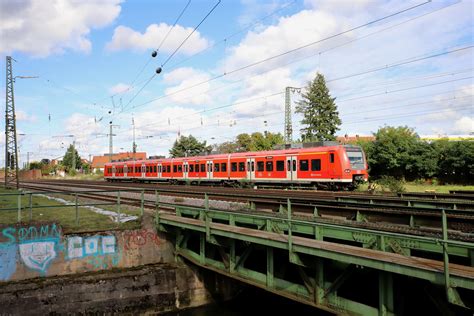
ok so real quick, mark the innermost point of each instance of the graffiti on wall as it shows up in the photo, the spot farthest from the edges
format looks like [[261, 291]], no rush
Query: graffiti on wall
[[101, 251], [36, 247], [8, 257], [139, 238]]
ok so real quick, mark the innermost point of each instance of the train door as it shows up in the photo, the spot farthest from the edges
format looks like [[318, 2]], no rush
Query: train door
[[209, 169], [250, 168], [291, 168], [160, 170], [143, 168], [185, 169], [331, 164], [113, 171]]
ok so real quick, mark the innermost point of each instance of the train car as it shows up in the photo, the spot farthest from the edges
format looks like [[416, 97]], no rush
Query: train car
[[332, 167]]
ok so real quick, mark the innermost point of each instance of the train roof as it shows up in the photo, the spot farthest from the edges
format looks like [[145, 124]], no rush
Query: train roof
[[239, 154]]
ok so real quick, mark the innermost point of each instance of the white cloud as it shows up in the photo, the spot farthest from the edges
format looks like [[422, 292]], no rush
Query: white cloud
[[119, 88], [185, 77], [41, 29], [465, 125], [126, 38], [23, 116]]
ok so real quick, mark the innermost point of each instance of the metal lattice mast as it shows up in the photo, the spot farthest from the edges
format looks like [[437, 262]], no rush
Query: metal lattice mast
[[288, 124], [11, 151]]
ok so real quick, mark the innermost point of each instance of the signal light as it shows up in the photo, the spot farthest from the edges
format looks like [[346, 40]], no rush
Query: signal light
[[158, 70], [154, 53]]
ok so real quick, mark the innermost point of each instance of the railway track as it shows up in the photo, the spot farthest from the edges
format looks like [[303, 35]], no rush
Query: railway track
[[416, 220]]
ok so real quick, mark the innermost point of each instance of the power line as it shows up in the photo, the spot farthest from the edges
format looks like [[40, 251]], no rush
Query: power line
[[224, 40], [194, 30], [292, 50], [159, 69]]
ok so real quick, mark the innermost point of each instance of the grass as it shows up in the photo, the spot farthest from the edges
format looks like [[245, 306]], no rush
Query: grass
[[90, 176], [422, 187], [54, 211]]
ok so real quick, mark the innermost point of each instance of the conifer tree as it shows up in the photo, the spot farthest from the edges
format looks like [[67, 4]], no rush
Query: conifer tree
[[320, 116]]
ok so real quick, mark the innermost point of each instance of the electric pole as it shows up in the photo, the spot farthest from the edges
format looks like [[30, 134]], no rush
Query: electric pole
[[111, 144], [11, 150], [134, 146], [288, 124]]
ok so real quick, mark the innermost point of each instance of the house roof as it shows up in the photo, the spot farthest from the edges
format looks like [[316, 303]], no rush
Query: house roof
[[100, 161]]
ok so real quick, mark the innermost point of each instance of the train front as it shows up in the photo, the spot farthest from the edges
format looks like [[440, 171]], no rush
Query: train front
[[356, 164]]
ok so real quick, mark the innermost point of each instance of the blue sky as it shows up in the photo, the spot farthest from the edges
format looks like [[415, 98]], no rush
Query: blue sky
[[414, 68]]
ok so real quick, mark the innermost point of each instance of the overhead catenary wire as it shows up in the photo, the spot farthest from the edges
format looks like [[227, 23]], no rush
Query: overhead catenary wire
[[291, 51], [282, 92], [159, 69], [189, 35], [300, 59]]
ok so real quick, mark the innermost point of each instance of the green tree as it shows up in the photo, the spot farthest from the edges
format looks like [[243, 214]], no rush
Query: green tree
[[456, 161], [68, 159], [189, 146], [320, 115], [392, 151]]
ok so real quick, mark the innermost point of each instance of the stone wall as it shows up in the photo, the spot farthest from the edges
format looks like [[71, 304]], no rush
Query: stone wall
[[151, 288], [44, 271]]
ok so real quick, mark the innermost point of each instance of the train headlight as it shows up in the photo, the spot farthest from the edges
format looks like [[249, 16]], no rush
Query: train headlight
[[347, 170]]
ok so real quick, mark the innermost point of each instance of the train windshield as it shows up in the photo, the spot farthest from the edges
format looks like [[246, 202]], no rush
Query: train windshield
[[356, 158]]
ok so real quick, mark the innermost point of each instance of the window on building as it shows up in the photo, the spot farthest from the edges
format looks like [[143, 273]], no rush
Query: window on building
[[280, 165], [224, 167], [304, 165], [331, 158], [260, 165], [315, 164], [233, 166], [269, 166]]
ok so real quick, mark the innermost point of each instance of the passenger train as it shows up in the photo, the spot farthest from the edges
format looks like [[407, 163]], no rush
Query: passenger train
[[329, 167]]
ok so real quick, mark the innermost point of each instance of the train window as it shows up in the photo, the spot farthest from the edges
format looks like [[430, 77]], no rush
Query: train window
[[186, 167], [331, 157], [203, 167], [280, 165], [155, 169], [241, 166], [191, 168], [209, 167], [253, 166], [315, 164], [260, 165], [304, 165], [168, 168], [175, 168], [217, 167], [147, 169], [294, 165], [224, 167], [233, 166], [269, 166], [180, 168]]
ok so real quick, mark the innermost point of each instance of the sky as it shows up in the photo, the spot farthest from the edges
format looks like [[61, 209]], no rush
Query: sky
[[387, 62]]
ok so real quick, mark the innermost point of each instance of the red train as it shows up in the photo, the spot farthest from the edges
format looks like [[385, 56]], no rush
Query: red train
[[333, 167]]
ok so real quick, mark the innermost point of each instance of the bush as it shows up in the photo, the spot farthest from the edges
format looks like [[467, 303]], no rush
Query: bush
[[391, 184]]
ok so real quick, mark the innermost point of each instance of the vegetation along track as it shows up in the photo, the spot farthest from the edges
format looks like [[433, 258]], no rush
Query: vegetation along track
[[329, 206]]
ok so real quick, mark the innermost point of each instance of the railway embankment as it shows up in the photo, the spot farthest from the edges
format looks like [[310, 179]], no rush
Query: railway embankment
[[44, 270]]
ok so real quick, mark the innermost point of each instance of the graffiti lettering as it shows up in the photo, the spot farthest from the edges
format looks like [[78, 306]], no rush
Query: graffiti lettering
[[20, 234], [8, 257], [139, 238], [79, 247]]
